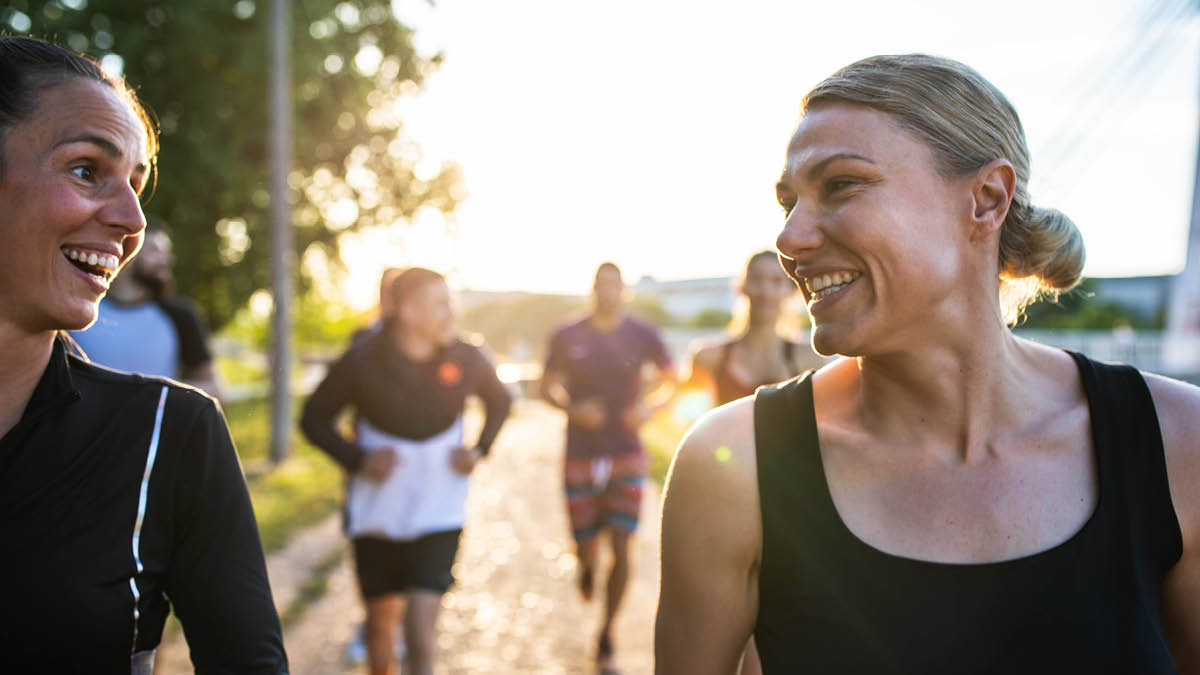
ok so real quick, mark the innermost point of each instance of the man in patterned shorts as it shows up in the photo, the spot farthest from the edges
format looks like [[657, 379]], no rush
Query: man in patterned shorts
[[594, 371]]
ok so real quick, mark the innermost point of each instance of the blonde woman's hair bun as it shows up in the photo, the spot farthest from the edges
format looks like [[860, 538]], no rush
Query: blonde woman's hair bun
[[1045, 246], [1041, 255]]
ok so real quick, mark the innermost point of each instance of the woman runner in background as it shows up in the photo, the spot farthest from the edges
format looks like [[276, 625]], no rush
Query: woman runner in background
[[407, 385], [759, 355], [950, 498], [121, 497]]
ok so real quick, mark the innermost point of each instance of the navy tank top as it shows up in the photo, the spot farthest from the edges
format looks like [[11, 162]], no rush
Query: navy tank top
[[831, 603]]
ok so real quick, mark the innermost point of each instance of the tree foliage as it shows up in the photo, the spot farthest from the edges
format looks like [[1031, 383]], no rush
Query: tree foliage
[[320, 327], [202, 67], [1080, 310], [650, 310], [710, 318]]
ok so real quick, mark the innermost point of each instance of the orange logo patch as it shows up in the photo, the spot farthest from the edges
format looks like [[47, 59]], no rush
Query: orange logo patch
[[449, 373]]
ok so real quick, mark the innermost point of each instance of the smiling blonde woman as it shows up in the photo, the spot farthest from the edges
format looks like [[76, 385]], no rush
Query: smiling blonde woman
[[948, 498]]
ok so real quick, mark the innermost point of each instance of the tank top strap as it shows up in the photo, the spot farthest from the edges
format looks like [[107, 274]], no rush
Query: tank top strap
[[790, 476], [785, 429], [1134, 493]]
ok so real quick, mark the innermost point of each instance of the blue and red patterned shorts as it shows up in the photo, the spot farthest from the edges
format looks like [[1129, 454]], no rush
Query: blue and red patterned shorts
[[604, 492]]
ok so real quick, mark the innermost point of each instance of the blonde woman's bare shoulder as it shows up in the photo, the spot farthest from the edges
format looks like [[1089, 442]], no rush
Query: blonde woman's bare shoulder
[[718, 451], [710, 504], [711, 542], [1178, 401], [1177, 405]]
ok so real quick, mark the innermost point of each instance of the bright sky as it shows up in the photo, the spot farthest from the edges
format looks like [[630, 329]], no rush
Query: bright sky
[[651, 132]]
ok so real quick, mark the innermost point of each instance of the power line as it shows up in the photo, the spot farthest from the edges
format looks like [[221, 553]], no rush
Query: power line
[[1114, 92]]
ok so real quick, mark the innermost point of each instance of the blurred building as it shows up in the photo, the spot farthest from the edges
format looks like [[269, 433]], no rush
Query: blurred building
[[469, 299], [1146, 297], [685, 298]]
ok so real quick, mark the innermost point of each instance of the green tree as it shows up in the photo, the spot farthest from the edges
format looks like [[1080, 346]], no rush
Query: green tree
[[651, 310], [710, 318], [321, 327], [1079, 310], [201, 67]]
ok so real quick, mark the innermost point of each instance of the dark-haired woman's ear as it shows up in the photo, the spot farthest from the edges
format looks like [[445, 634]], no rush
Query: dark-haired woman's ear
[[991, 197]]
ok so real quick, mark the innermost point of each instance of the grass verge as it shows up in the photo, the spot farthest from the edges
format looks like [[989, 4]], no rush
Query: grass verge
[[297, 493], [660, 436], [313, 589]]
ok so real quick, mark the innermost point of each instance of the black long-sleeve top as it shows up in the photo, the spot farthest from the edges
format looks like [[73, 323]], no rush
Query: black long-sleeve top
[[401, 397], [121, 497]]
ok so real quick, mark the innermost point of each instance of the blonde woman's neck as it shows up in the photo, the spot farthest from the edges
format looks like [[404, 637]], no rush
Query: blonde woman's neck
[[951, 392]]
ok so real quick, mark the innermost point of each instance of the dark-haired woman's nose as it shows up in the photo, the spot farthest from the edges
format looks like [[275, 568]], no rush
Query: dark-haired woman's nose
[[123, 209]]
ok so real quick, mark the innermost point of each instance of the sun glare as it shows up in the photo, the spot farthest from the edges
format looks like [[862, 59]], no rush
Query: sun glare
[[428, 241]]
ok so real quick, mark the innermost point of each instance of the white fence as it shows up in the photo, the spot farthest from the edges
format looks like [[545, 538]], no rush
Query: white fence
[[1143, 350]]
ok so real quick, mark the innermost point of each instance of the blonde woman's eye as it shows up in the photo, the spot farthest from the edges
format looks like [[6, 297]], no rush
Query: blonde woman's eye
[[838, 184]]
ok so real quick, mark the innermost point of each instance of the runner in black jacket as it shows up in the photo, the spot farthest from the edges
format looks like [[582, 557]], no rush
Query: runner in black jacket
[[406, 384]]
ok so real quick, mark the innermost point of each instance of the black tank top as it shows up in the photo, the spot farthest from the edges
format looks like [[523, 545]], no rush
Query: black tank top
[[830, 603]]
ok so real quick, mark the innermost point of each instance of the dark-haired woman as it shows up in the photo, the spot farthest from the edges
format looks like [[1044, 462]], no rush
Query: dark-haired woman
[[949, 498], [407, 385], [121, 497]]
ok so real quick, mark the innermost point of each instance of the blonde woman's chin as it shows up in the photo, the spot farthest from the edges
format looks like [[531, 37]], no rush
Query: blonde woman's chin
[[830, 340]]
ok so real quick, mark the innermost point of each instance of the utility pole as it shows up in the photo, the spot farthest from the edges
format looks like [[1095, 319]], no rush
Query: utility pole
[[280, 134], [1181, 341], [1181, 351]]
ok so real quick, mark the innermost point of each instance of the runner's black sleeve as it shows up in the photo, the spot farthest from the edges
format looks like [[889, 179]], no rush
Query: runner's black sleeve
[[496, 400], [216, 578], [318, 421]]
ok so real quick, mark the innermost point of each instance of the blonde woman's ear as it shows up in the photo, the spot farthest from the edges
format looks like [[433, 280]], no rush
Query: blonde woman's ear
[[991, 197]]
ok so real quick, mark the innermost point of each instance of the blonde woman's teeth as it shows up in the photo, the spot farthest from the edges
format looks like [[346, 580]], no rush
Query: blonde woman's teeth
[[826, 284]]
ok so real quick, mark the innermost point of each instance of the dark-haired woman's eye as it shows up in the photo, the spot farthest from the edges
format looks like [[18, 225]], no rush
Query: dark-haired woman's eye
[[787, 206], [84, 172]]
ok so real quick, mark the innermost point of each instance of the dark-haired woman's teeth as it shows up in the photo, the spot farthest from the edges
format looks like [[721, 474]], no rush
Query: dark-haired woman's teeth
[[827, 284], [102, 265]]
